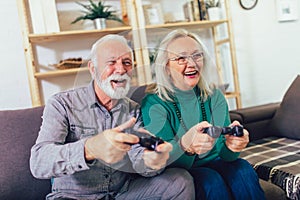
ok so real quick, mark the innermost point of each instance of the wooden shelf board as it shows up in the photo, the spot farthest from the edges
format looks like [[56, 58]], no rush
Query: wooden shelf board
[[231, 94], [51, 37], [57, 73], [194, 24], [220, 42]]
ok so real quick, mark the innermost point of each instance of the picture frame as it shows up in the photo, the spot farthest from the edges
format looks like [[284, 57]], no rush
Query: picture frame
[[153, 14], [287, 10]]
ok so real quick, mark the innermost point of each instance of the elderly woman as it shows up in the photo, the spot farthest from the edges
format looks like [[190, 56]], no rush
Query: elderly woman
[[180, 108]]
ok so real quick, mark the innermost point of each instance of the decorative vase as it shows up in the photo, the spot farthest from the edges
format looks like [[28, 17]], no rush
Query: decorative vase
[[213, 13], [100, 23], [88, 25]]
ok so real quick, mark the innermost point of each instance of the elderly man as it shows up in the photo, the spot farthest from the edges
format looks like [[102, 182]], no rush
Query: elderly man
[[83, 145]]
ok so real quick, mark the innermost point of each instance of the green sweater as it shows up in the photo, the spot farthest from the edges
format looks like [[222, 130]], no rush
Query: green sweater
[[160, 119]]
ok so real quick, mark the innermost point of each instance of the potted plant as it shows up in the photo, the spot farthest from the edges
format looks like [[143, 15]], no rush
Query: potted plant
[[99, 13], [213, 10], [212, 3]]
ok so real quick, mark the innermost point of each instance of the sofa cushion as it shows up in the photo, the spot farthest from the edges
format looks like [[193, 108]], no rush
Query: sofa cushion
[[286, 120], [272, 191], [19, 130], [276, 160], [137, 93]]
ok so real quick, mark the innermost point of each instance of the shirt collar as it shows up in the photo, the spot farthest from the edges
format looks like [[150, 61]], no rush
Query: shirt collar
[[92, 99]]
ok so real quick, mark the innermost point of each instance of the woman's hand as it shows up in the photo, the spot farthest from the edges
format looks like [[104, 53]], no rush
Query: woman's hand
[[237, 144], [195, 141]]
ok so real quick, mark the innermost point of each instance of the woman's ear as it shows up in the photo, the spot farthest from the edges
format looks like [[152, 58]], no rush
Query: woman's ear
[[168, 69]]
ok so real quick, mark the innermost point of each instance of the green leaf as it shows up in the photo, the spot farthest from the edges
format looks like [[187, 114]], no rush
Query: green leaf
[[97, 10]]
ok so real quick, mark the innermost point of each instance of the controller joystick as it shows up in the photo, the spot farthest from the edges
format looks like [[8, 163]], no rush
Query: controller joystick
[[216, 131], [148, 141]]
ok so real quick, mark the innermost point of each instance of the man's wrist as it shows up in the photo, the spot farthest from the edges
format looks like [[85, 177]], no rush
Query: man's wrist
[[87, 154]]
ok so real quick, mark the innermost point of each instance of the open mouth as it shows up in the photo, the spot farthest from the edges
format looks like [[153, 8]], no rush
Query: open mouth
[[190, 73], [119, 83]]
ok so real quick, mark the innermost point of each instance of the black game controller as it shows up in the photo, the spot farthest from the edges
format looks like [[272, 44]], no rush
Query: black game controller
[[216, 131], [148, 141]]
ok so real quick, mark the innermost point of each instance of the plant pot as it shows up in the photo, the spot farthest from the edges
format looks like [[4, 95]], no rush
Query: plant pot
[[100, 23], [88, 25], [214, 13]]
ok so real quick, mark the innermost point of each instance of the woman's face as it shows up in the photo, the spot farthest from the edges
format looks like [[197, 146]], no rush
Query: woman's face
[[185, 62]]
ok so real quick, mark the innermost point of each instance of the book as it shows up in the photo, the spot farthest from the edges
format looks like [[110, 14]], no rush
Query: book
[[37, 16], [196, 10], [50, 16], [188, 10], [203, 10], [43, 15]]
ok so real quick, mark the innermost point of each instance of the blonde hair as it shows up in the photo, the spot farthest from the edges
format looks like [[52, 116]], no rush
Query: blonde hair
[[164, 87]]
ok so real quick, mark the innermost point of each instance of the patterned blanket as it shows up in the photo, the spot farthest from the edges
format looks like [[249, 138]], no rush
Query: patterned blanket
[[277, 160]]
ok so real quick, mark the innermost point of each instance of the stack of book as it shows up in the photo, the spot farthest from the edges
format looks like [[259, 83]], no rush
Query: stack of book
[[195, 10]]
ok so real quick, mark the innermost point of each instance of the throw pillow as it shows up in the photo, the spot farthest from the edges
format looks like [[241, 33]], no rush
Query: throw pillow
[[286, 122]]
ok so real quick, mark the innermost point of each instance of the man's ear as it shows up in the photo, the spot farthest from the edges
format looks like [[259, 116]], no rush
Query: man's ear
[[91, 67]]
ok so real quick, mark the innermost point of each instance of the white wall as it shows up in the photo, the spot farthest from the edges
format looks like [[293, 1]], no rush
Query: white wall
[[14, 90], [267, 52], [267, 55]]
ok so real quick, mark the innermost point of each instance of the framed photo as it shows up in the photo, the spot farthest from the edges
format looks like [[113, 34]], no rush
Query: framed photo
[[153, 14], [287, 10]]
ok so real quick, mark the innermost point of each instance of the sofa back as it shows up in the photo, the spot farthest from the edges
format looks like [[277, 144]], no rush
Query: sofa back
[[18, 132]]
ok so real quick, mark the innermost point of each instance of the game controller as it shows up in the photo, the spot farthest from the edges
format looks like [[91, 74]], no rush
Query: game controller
[[216, 131], [148, 141]]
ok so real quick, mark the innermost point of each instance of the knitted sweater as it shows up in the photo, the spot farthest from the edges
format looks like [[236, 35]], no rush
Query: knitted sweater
[[160, 118]]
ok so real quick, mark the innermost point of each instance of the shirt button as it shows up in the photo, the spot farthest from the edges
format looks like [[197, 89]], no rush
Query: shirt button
[[106, 176], [79, 166]]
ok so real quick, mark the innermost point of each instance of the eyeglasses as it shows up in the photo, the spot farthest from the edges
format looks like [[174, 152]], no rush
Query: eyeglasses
[[182, 60]]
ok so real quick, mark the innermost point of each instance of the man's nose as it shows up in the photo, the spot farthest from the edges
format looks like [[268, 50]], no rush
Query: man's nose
[[119, 68]]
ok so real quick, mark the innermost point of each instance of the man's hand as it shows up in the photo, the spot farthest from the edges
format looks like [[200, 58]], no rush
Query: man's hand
[[195, 141], [111, 145], [237, 144], [157, 159]]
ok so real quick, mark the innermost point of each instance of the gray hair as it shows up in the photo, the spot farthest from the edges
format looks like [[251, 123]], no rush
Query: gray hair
[[109, 37], [164, 88]]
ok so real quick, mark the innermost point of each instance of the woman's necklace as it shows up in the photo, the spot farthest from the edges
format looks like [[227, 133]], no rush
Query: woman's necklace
[[204, 116]]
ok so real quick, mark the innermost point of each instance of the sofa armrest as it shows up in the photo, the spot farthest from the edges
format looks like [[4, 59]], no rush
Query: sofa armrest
[[256, 119]]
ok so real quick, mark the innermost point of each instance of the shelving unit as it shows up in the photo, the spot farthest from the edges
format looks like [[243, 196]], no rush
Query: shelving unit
[[218, 42], [138, 28]]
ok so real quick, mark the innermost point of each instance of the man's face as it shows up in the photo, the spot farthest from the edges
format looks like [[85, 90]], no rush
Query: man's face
[[114, 69]]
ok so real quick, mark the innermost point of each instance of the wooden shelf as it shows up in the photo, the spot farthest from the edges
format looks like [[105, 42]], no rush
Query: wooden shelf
[[231, 94], [58, 73], [58, 36], [195, 24], [139, 38]]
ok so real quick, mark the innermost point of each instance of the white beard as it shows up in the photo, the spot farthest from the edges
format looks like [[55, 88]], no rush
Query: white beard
[[117, 93]]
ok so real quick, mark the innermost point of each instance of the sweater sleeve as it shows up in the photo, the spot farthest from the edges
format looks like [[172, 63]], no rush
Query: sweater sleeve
[[158, 119], [220, 117]]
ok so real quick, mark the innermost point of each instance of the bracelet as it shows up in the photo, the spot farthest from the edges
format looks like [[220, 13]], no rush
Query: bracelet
[[187, 151]]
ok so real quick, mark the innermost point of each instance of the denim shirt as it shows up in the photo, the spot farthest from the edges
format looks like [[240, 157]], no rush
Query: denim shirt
[[70, 118]]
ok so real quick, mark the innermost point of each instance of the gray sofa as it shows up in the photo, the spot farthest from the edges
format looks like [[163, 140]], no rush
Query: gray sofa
[[274, 150], [19, 129]]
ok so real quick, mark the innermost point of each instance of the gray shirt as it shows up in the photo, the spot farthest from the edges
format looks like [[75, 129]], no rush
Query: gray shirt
[[69, 118]]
